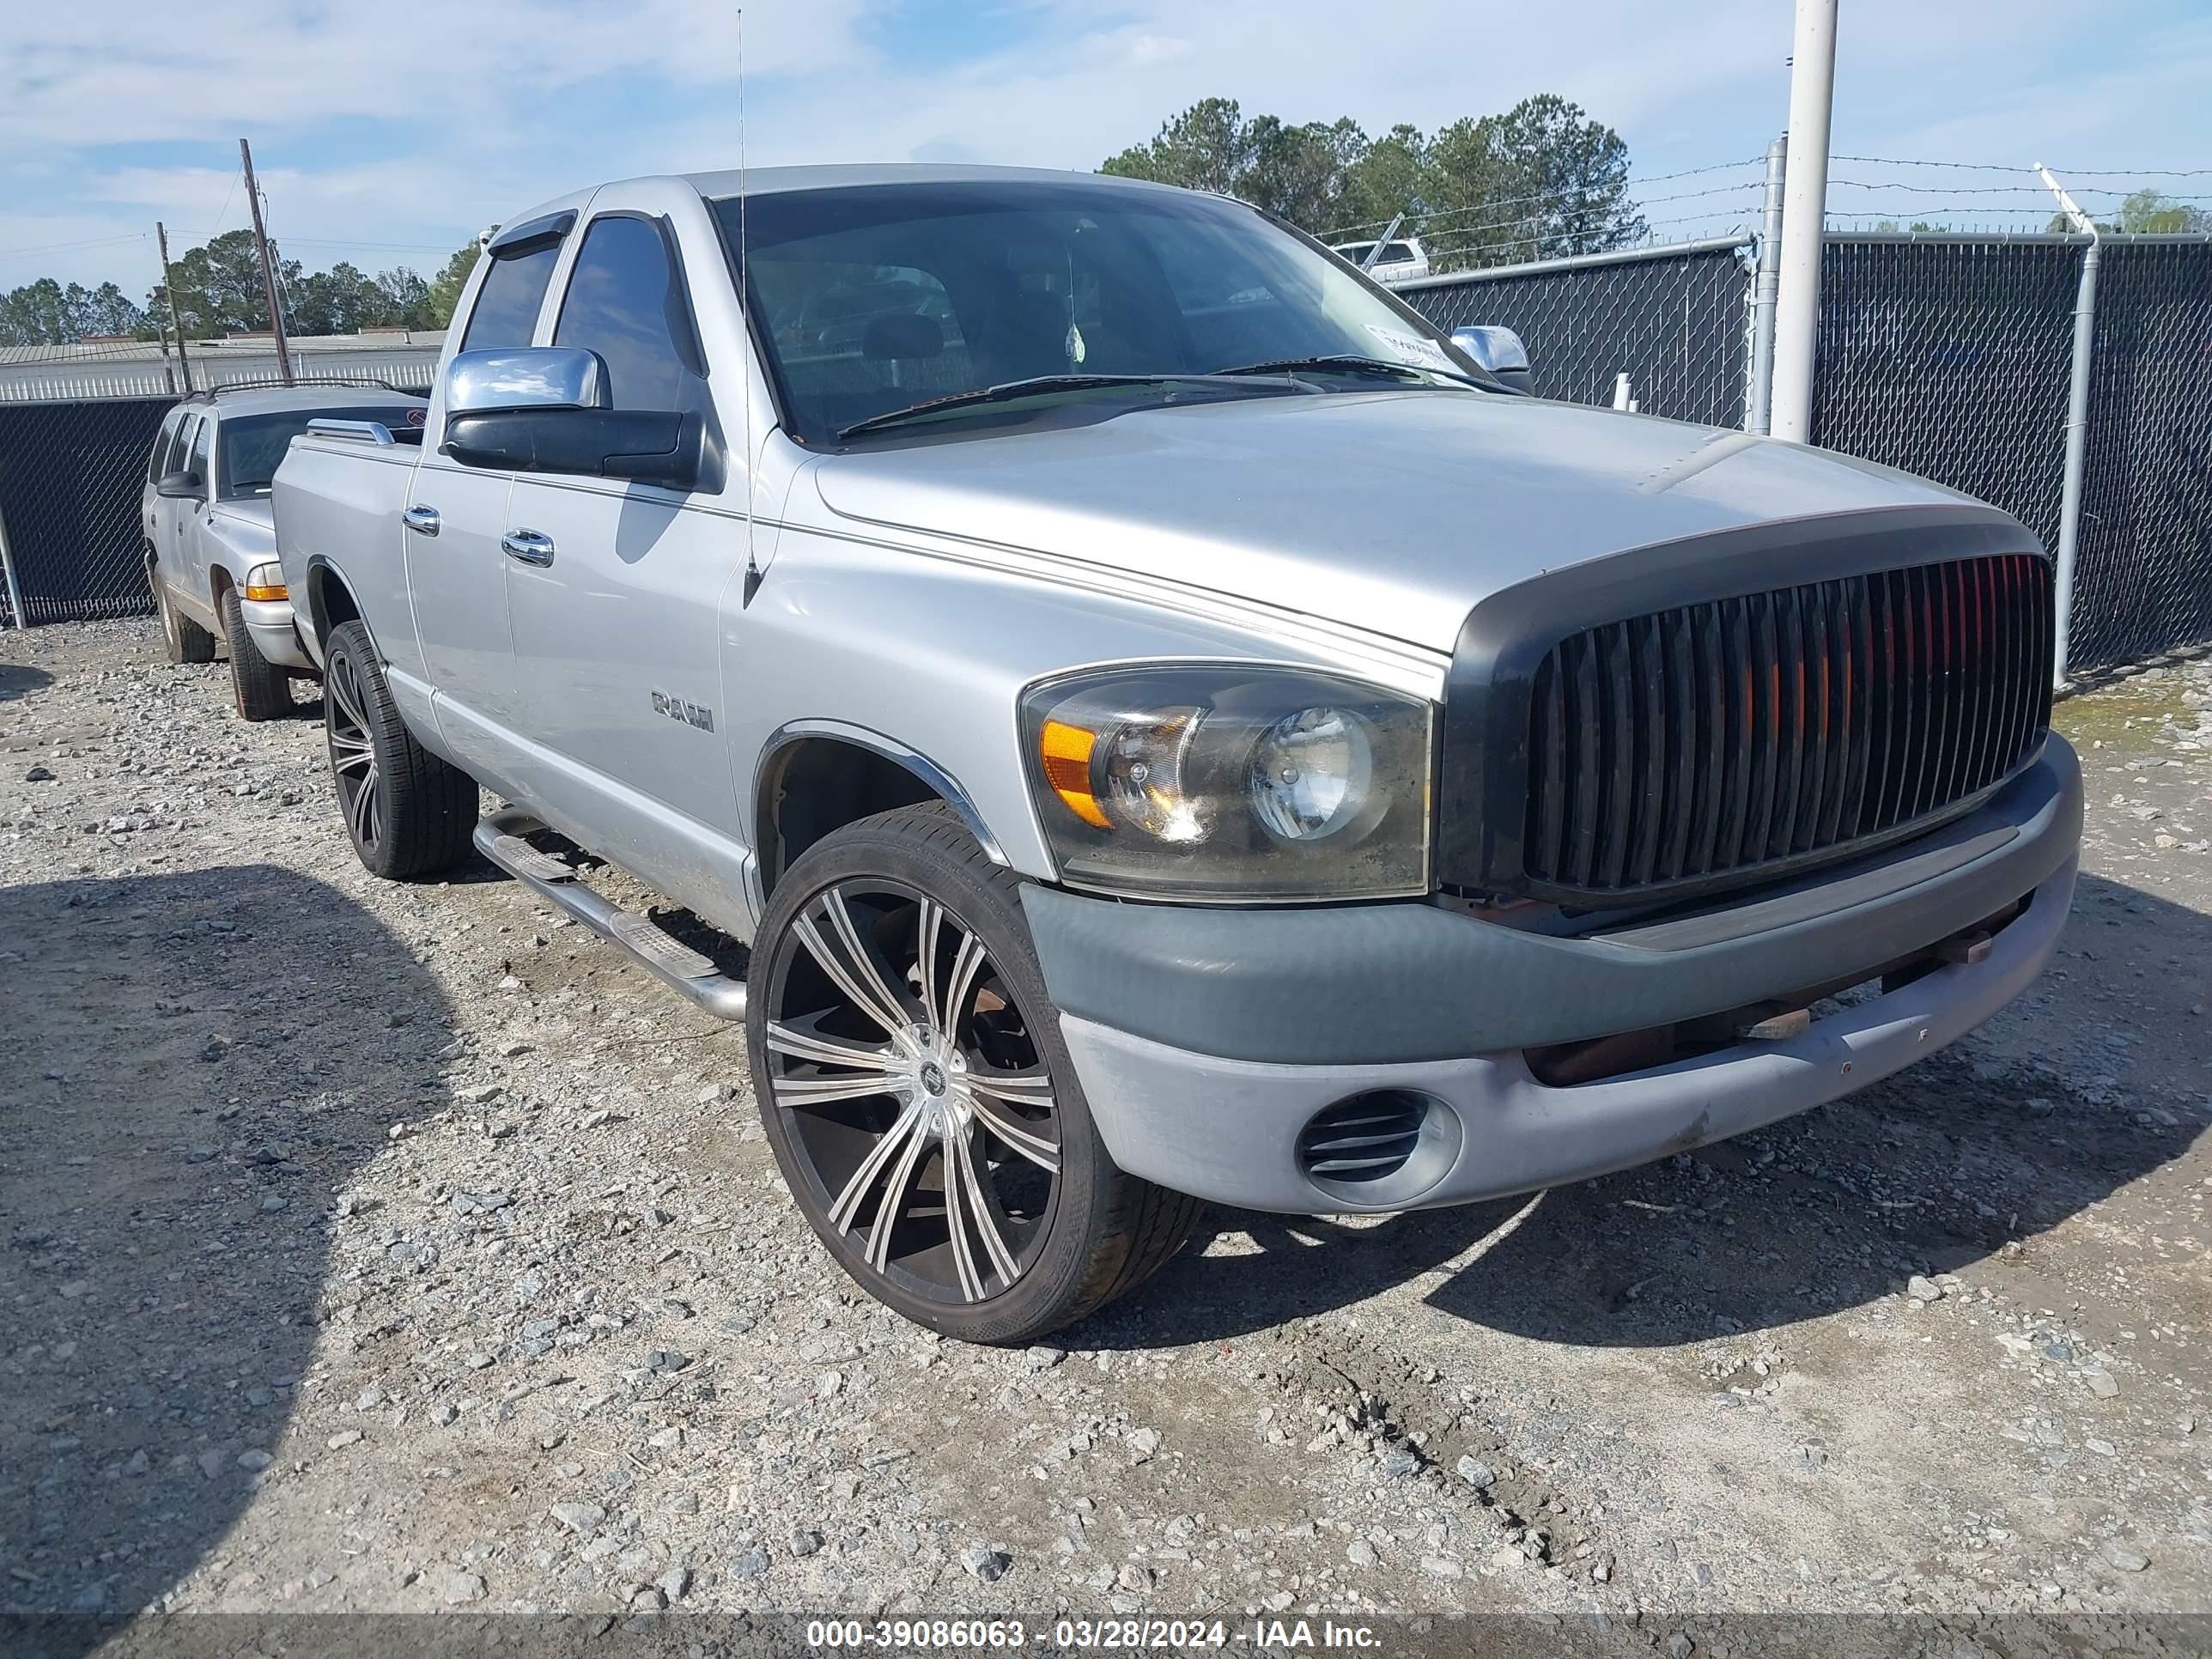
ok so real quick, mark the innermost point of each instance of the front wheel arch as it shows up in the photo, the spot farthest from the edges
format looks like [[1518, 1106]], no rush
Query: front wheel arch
[[330, 603], [815, 776]]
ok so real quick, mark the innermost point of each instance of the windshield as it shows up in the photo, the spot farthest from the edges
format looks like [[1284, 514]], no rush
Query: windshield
[[253, 445], [876, 298]]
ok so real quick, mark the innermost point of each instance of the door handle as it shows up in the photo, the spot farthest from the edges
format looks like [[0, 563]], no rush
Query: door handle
[[423, 521], [529, 546]]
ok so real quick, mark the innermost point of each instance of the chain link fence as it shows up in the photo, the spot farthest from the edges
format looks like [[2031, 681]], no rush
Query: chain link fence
[[1950, 357], [1951, 360], [2144, 567], [1673, 320], [72, 476]]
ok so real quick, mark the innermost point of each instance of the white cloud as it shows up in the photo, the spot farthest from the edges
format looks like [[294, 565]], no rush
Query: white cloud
[[371, 123]]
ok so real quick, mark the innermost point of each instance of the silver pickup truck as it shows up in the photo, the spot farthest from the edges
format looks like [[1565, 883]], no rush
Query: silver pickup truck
[[1166, 722]]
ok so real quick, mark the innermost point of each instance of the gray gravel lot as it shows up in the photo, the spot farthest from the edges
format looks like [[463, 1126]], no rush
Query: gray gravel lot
[[368, 1247]]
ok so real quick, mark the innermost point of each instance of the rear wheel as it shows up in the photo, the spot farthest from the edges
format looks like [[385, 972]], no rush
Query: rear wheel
[[409, 812], [186, 640], [911, 1072], [263, 690]]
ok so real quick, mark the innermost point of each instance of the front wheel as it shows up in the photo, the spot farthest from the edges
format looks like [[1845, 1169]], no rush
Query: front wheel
[[262, 690], [911, 1072], [409, 812], [185, 640]]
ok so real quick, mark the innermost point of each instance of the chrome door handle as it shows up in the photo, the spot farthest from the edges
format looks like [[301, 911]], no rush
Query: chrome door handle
[[423, 521], [529, 546]]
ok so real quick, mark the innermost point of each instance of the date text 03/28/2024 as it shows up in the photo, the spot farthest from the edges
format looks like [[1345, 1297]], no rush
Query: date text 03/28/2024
[[1084, 1635]]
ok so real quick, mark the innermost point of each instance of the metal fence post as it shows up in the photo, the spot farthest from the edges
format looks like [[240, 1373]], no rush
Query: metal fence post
[[2077, 445], [2077, 423], [8, 569], [1758, 393]]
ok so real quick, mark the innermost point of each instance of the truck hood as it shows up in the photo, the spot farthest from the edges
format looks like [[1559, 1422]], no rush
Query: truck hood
[[1394, 512]]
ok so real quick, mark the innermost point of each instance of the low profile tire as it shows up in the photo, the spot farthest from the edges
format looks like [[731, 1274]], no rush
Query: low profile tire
[[920, 1100], [409, 812], [187, 642], [263, 690]]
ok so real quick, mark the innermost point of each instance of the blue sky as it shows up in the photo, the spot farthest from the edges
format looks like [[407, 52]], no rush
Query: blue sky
[[387, 134]]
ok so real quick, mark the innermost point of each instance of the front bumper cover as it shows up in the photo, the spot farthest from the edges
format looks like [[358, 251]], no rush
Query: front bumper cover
[[1205, 1040], [276, 633]]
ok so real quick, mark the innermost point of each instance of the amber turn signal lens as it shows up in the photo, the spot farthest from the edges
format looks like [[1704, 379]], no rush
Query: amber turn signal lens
[[277, 592], [1066, 751]]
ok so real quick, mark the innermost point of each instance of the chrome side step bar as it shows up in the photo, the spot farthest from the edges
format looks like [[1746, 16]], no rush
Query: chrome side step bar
[[501, 839]]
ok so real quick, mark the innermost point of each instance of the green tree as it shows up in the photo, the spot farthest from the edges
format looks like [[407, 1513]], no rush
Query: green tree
[[444, 290], [44, 313], [1543, 181], [1540, 181], [219, 288], [2148, 213], [405, 299]]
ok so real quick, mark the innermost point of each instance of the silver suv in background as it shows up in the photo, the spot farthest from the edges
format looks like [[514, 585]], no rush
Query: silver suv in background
[[1397, 261], [211, 552]]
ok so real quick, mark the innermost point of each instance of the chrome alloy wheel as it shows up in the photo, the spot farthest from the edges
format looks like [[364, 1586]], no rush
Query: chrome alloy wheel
[[352, 752], [906, 1078]]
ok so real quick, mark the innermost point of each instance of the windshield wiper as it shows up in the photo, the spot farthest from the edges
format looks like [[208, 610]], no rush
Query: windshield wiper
[[1010, 390], [1353, 364]]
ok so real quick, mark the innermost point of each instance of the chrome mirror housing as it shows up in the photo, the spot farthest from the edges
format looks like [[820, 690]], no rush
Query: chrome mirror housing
[[1498, 349], [532, 377]]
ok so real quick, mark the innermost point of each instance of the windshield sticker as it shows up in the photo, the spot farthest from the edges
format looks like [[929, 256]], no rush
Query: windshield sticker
[[1411, 348]]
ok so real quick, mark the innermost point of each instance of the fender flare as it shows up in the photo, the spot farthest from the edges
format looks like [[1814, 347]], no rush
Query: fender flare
[[940, 781]]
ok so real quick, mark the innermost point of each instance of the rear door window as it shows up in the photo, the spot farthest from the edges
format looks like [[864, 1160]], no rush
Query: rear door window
[[158, 462], [506, 315], [624, 303], [180, 445], [203, 437]]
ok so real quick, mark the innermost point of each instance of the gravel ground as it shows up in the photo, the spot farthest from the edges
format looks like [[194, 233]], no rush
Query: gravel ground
[[398, 1249]]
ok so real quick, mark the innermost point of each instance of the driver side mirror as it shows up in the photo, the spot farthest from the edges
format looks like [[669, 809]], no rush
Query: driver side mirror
[[1498, 350], [180, 487], [543, 409]]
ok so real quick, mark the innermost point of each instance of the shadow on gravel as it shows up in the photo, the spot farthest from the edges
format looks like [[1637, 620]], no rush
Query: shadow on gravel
[[1937, 1167], [17, 680], [175, 1117]]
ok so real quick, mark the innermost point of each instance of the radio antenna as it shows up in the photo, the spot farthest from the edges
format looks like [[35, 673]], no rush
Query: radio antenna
[[745, 314]]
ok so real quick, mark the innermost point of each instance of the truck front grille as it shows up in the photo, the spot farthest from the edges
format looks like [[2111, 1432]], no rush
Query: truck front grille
[[1716, 739]]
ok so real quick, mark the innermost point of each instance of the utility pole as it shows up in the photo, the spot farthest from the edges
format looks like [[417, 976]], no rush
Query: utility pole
[[268, 269], [169, 287], [1804, 218]]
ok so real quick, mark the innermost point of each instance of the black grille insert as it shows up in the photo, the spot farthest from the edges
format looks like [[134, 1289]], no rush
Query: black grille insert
[[1366, 1138], [1720, 737]]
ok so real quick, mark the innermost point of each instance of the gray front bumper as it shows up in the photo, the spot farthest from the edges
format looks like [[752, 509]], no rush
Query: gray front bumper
[[275, 634], [1205, 1040]]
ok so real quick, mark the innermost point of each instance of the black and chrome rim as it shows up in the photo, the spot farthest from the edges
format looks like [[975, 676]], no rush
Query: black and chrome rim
[[907, 1081], [353, 756]]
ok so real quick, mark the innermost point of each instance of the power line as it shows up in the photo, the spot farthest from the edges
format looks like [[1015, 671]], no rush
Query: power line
[[395, 247], [225, 212], [56, 247]]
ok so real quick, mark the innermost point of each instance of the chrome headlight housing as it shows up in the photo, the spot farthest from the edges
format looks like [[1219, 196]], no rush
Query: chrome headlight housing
[[1216, 782]]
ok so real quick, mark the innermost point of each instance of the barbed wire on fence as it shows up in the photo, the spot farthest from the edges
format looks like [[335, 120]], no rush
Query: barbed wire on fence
[[1490, 203]]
